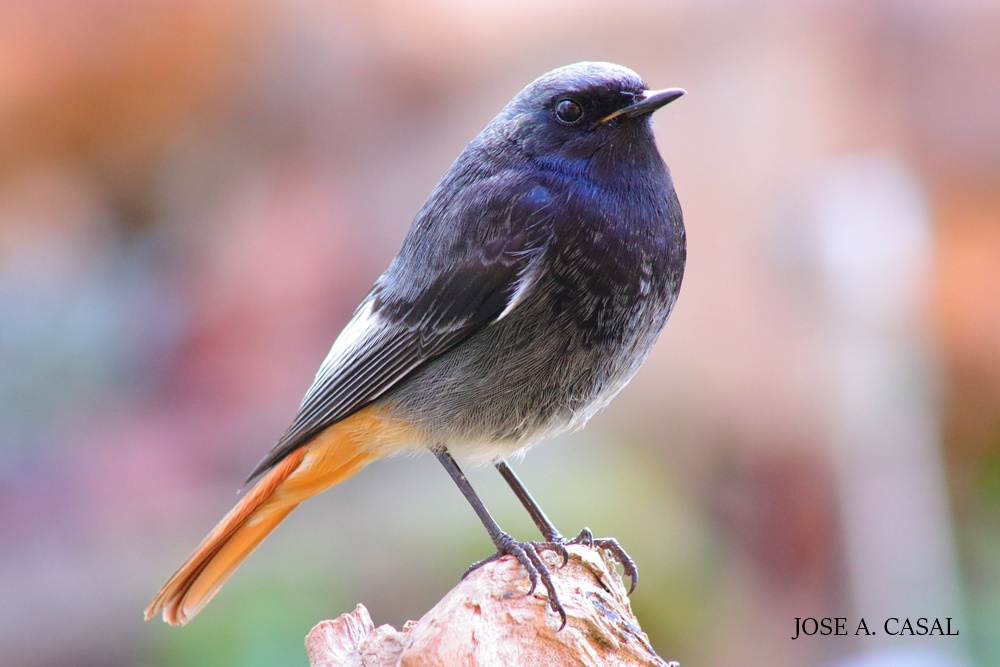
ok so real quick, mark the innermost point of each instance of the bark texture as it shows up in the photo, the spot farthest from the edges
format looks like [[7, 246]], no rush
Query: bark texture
[[488, 620]]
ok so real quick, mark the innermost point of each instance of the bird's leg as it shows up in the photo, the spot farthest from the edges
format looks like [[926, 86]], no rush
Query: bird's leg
[[553, 536], [524, 552], [548, 530]]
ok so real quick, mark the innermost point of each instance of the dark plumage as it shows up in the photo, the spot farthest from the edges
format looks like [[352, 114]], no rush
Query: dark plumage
[[529, 289], [581, 218]]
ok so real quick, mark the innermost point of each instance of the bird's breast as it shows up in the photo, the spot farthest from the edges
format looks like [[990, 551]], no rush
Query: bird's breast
[[604, 286]]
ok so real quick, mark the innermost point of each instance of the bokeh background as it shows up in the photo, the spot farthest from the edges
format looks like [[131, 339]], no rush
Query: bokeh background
[[194, 196]]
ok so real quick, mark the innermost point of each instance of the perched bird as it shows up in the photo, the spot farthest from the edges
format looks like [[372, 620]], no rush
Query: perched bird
[[528, 290]]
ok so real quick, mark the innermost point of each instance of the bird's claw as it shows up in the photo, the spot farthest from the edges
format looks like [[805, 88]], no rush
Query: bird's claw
[[610, 544], [527, 555]]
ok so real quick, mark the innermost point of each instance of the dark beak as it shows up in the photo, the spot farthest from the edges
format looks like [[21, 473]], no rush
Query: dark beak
[[650, 102]]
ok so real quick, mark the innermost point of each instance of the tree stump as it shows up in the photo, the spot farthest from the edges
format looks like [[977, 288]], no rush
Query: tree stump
[[488, 620]]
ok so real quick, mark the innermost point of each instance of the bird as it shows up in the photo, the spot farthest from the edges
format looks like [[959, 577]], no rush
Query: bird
[[528, 290]]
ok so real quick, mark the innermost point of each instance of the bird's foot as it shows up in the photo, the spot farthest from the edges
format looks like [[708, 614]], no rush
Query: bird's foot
[[610, 545], [526, 554]]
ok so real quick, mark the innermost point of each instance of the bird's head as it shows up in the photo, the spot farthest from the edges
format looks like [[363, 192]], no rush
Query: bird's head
[[578, 110]]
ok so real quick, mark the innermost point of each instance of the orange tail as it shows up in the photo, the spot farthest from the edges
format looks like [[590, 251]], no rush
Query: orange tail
[[333, 456]]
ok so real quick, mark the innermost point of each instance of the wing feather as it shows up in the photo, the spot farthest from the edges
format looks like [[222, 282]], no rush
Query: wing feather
[[415, 313]]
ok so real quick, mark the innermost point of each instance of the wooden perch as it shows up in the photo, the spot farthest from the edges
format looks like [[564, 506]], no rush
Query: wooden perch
[[488, 620]]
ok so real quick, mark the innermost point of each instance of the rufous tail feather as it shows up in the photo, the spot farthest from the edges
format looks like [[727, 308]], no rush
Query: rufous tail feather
[[331, 457]]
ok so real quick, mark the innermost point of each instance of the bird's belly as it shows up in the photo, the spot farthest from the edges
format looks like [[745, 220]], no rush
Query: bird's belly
[[523, 379]]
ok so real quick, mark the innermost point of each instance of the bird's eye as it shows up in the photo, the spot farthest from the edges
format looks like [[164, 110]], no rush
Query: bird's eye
[[568, 112]]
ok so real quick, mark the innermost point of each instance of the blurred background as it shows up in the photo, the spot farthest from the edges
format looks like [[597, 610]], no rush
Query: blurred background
[[194, 196]]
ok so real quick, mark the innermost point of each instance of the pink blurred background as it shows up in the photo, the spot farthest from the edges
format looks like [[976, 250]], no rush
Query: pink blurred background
[[194, 196]]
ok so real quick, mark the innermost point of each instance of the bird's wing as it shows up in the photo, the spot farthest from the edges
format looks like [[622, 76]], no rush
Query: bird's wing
[[437, 292]]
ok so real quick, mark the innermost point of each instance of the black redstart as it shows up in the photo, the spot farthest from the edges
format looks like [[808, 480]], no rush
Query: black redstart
[[528, 290]]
